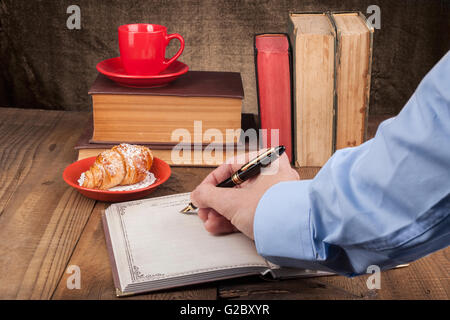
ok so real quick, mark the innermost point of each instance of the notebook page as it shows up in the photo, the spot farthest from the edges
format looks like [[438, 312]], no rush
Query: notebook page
[[152, 240]]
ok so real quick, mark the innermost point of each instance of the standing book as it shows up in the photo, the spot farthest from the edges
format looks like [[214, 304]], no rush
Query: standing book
[[152, 246], [273, 72], [353, 71], [313, 42]]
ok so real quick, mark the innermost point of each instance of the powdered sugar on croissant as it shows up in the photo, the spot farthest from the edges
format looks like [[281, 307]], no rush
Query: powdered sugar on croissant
[[124, 164]]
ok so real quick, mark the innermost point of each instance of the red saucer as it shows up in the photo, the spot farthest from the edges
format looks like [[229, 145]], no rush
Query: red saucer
[[113, 69], [72, 173]]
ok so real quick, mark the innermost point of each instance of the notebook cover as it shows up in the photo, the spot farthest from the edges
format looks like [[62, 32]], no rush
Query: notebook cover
[[273, 67], [112, 260], [191, 84]]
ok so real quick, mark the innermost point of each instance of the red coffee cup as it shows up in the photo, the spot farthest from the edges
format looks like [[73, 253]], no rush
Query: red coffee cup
[[143, 48]]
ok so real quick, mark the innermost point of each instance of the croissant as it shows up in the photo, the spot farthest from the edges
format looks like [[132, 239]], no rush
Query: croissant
[[124, 164]]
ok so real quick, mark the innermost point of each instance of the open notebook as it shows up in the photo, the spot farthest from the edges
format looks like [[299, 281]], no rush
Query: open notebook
[[153, 246]]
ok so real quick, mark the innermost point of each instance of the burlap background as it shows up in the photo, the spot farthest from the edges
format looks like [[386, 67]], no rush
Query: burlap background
[[45, 65]]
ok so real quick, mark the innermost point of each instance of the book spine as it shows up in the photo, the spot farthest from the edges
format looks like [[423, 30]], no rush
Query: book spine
[[314, 90], [369, 73], [335, 62], [272, 60], [352, 109]]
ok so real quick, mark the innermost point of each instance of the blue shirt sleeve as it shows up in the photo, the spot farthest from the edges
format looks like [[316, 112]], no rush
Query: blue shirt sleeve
[[385, 202]]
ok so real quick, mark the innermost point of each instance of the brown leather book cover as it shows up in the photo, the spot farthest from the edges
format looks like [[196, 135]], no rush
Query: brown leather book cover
[[191, 84]]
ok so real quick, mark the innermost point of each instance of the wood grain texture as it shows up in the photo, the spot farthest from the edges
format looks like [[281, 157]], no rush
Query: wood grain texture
[[426, 278], [41, 217], [352, 79], [154, 118]]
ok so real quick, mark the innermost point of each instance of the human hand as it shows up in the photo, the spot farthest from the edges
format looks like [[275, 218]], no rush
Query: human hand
[[225, 210]]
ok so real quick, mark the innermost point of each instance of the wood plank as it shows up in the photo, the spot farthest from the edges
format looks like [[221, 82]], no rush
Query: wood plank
[[92, 257], [306, 289], [128, 117], [20, 135], [42, 217], [426, 278]]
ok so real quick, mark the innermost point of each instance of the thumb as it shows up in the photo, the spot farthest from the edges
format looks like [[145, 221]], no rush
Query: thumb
[[223, 200]]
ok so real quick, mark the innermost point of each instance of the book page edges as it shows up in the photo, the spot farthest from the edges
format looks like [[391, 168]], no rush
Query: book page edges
[[112, 260], [329, 30], [294, 35], [369, 72], [174, 286]]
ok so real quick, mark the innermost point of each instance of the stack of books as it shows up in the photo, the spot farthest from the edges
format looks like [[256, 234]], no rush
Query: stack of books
[[329, 77], [184, 123]]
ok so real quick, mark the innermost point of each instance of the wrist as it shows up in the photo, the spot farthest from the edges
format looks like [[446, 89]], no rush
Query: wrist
[[281, 222]]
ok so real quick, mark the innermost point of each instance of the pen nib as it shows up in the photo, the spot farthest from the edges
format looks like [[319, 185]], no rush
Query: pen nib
[[189, 209]]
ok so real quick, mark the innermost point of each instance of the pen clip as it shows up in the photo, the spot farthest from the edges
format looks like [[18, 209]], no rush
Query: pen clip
[[258, 158]]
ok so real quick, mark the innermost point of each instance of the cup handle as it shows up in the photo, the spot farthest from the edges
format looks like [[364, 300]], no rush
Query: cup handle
[[180, 51]]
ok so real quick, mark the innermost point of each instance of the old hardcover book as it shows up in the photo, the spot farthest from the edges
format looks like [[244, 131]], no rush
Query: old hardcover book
[[313, 42], [353, 71], [198, 155], [273, 73], [153, 246], [211, 100]]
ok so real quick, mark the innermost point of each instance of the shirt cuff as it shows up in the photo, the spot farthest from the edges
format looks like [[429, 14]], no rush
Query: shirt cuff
[[282, 227]]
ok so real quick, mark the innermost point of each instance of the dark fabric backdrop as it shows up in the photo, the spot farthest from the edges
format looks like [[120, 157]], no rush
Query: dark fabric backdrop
[[45, 65]]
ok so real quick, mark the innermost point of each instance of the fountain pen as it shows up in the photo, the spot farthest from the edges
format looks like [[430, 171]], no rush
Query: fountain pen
[[247, 171]]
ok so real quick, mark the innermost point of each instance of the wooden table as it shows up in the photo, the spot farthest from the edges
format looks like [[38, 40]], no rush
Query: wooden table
[[46, 226]]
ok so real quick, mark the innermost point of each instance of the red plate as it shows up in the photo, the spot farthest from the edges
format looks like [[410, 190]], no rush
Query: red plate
[[113, 69], [72, 173]]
